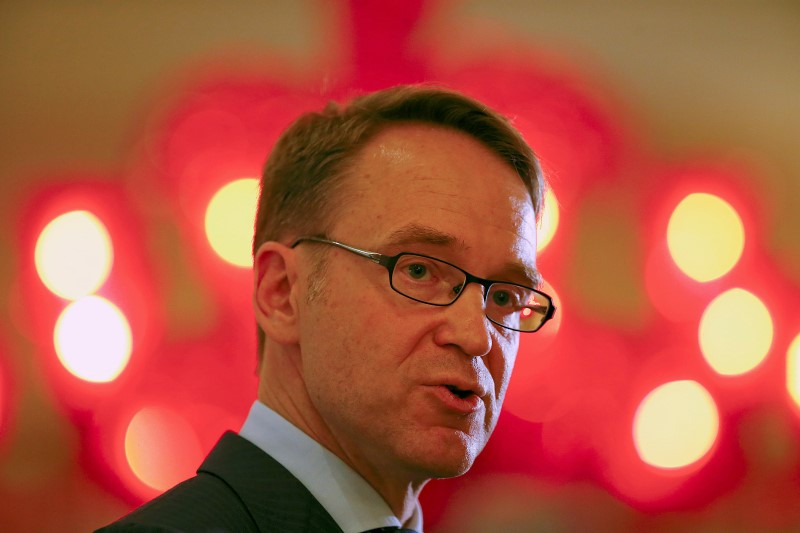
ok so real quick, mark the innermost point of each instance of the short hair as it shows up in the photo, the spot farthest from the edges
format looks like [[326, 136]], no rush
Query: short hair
[[311, 159]]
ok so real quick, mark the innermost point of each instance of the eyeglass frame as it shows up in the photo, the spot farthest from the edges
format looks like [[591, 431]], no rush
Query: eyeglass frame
[[389, 263]]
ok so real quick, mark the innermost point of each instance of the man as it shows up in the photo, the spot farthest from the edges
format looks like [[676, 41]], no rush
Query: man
[[394, 265]]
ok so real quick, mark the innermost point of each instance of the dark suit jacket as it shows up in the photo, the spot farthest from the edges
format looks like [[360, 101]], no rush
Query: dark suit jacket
[[237, 489]]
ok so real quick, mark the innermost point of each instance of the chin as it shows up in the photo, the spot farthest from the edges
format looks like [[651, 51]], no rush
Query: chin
[[453, 467], [449, 456], [460, 470]]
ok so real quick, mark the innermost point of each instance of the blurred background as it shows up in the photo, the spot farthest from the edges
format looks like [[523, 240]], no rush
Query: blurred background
[[665, 396]]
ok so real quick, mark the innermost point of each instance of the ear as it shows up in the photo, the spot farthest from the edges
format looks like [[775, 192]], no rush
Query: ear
[[274, 295]]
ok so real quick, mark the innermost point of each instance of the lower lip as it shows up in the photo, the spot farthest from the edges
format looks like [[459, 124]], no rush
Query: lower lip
[[467, 405]]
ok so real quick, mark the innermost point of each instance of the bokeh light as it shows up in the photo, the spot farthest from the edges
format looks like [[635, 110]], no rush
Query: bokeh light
[[548, 224], [705, 236], [73, 254], [161, 447], [675, 425], [229, 221], [735, 332], [93, 339], [793, 370]]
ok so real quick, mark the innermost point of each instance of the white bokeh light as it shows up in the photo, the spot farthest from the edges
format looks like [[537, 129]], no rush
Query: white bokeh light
[[73, 254], [93, 339]]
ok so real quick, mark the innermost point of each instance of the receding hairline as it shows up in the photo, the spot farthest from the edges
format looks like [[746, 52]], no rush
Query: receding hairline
[[387, 127], [373, 114]]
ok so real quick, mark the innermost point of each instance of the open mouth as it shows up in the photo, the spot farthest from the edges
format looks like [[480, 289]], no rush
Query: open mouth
[[461, 393]]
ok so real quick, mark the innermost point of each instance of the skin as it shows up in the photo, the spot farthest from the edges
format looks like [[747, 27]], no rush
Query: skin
[[360, 368]]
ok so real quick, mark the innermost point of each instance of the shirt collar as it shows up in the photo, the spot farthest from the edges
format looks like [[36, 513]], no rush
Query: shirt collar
[[348, 498]]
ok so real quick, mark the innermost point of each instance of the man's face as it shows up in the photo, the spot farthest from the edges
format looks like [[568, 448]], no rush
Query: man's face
[[405, 388]]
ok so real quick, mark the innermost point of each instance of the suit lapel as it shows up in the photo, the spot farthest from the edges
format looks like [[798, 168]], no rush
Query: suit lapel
[[275, 499]]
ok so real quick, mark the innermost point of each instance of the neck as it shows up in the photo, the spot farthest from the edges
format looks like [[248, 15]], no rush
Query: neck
[[281, 388]]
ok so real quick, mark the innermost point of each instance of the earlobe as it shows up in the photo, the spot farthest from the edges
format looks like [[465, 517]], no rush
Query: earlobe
[[275, 275]]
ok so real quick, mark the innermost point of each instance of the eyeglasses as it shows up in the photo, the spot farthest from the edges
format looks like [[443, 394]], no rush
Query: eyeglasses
[[432, 281]]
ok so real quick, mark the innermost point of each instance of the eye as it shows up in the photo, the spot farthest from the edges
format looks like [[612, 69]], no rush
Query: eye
[[417, 271], [501, 298], [508, 296]]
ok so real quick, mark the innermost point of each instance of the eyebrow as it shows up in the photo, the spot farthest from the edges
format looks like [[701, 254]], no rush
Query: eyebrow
[[419, 234], [531, 275]]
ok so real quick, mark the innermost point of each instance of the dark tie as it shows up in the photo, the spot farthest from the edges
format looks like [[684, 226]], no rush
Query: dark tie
[[390, 529]]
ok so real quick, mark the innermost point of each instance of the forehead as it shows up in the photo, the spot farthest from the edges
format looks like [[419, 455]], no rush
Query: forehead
[[430, 151], [426, 176]]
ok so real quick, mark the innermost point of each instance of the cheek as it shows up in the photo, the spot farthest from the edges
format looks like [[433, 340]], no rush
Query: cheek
[[356, 340], [502, 365], [330, 342], [390, 327]]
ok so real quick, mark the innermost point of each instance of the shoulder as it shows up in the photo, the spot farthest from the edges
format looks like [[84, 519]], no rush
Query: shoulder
[[238, 488], [202, 503]]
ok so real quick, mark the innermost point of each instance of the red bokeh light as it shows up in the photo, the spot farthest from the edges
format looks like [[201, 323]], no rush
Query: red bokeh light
[[7, 397]]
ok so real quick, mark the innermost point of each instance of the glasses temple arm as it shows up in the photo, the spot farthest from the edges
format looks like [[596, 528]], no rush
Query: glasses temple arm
[[372, 256]]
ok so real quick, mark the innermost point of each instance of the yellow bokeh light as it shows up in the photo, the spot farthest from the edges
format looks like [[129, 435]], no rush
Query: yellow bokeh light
[[675, 425], [793, 370], [161, 447], [93, 339], [735, 332], [229, 221], [705, 236], [548, 224], [73, 254]]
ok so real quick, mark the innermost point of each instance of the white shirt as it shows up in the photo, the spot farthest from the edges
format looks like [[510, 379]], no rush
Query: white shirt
[[348, 498]]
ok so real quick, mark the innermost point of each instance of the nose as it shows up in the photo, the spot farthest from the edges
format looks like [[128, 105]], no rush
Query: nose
[[466, 325]]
